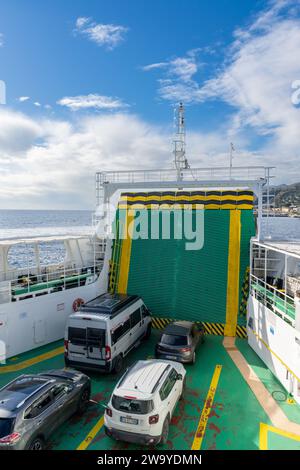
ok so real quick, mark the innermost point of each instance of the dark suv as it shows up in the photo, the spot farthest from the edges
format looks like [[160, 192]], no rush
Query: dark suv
[[179, 340], [33, 406]]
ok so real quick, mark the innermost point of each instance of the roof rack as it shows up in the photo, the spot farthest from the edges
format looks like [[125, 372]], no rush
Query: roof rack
[[108, 304], [160, 377]]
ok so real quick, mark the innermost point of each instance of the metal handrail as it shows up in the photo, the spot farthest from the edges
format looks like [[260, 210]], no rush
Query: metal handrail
[[161, 175], [48, 278], [276, 292]]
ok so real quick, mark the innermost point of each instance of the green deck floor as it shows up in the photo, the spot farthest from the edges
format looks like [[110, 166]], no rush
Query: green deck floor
[[234, 421]]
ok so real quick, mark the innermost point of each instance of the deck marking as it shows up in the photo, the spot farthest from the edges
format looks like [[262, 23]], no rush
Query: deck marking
[[199, 435], [264, 429], [264, 397], [125, 253], [91, 435], [32, 361], [233, 274]]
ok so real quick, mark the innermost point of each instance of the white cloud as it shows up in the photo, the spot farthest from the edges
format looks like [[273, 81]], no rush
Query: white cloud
[[17, 132], [255, 80], [37, 103], [1, 40], [179, 76], [108, 35], [91, 101], [50, 163], [56, 160], [23, 98]]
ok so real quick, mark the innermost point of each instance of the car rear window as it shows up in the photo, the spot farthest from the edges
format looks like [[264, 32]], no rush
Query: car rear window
[[6, 425], [174, 340], [132, 405]]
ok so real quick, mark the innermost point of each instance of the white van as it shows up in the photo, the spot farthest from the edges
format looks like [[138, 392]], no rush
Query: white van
[[104, 330], [143, 402]]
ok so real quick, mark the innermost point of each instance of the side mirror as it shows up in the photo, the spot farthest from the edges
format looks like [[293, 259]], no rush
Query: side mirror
[[179, 377]]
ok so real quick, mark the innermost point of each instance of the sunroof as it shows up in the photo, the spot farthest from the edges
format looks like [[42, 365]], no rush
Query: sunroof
[[26, 385]]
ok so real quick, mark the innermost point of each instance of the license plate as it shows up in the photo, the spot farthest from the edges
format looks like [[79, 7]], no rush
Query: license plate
[[171, 357], [123, 419]]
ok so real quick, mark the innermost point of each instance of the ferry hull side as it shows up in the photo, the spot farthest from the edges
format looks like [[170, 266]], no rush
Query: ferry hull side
[[31, 323], [276, 343]]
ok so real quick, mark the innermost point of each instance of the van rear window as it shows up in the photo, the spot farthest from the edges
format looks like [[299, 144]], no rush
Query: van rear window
[[95, 337], [77, 335], [90, 336], [130, 405]]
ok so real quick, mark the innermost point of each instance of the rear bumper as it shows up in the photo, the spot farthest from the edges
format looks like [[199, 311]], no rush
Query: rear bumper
[[174, 357], [132, 437], [107, 367]]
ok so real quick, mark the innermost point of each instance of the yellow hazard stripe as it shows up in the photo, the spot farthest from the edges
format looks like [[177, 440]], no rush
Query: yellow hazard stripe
[[91, 435], [125, 253], [199, 435], [232, 299], [32, 361]]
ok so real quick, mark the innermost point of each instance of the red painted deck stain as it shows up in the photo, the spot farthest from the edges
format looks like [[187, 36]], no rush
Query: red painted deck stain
[[215, 428]]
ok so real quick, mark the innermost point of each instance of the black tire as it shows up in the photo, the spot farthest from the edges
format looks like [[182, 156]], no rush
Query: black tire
[[84, 400], [165, 432], [193, 359], [118, 364], [148, 332], [183, 389], [37, 444]]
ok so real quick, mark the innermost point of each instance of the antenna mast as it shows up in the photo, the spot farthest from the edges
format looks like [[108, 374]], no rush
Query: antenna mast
[[180, 160]]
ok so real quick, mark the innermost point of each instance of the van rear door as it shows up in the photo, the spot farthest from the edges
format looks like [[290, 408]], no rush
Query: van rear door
[[77, 341], [87, 342], [95, 341]]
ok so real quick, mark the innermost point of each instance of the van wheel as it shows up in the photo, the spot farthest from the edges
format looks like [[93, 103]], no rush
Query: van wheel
[[118, 364], [84, 400], [183, 389], [148, 332], [37, 444], [165, 432]]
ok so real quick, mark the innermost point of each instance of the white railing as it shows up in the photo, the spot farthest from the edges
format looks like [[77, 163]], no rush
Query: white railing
[[25, 284], [269, 296], [189, 174]]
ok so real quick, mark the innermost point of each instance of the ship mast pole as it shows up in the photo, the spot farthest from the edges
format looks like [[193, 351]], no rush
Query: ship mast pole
[[180, 160], [232, 149]]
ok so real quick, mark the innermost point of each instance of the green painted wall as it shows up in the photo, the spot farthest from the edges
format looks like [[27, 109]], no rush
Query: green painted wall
[[177, 283]]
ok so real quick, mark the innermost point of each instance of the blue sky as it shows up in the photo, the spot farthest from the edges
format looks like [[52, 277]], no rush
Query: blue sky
[[91, 85]]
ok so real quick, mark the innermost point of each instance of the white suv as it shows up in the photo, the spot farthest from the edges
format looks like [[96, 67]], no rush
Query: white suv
[[142, 404]]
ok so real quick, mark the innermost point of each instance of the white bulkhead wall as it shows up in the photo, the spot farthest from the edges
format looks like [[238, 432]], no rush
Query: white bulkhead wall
[[277, 343]]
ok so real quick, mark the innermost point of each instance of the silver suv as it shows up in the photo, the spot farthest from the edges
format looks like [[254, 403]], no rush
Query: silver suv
[[33, 406]]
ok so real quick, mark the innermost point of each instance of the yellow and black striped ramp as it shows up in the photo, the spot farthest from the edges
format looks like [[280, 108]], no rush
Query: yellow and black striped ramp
[[230, 199], [210, 328]]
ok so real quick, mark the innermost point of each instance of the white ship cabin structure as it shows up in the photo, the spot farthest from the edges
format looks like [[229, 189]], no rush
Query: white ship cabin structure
[[273, 324], [37, 296]]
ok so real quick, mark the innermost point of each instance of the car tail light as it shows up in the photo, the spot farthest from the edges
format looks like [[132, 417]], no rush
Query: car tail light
[[185, 350], [153, 419], [11, 439], [107, 353], [108, 412], [66, 346]]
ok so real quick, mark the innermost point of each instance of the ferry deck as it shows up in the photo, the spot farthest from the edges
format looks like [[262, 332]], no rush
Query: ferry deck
[[232, 401]]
